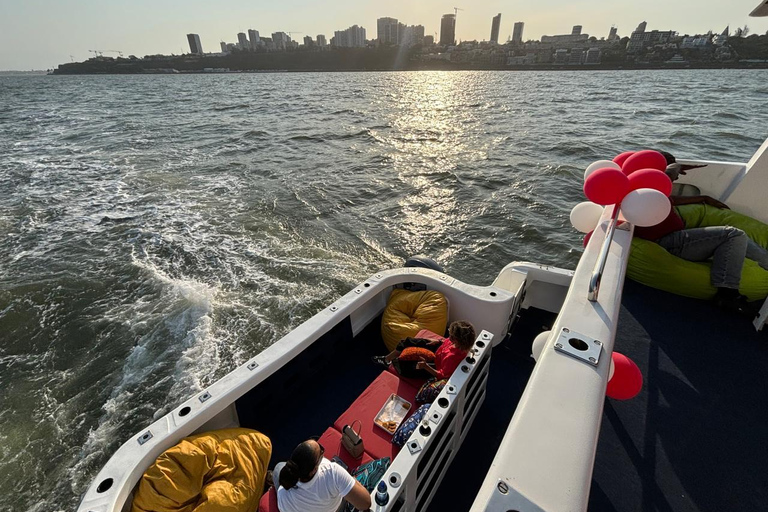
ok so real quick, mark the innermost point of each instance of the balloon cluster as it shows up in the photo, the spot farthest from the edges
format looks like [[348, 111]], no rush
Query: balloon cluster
[[635, 180], [624, 377]]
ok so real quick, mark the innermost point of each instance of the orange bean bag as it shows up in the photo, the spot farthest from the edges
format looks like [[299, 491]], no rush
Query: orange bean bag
[[222, 470]]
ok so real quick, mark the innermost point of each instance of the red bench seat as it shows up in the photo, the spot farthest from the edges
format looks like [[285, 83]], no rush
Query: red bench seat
[[331, 441], [377, 441], [268, 502]]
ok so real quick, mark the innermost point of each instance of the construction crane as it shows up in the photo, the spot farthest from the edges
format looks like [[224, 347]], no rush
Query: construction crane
[[456, 11], [71, 57], [100, 53], [290, 34]]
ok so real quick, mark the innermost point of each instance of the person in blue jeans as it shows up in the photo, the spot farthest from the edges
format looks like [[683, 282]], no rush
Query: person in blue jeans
[[726, 246]]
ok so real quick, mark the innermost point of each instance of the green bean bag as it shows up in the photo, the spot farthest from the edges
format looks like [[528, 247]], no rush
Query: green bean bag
[[653, 266]]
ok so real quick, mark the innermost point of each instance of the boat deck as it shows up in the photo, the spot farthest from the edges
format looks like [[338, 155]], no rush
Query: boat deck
[[694, 439]]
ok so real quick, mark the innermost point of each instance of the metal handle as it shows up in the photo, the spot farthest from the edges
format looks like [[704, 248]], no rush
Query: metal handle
[[597, 273]]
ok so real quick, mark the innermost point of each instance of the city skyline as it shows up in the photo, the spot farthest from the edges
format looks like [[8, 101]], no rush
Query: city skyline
[[74, 30]]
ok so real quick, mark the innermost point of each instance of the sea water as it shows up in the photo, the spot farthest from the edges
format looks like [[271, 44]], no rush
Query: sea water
[[157, 231]]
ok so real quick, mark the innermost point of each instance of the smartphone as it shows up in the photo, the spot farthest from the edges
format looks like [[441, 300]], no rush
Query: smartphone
[[340, 462]]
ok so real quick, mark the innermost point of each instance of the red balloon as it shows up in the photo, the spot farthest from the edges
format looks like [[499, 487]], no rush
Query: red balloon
[[587, 237], [606, 186], [627, 379], [644, 160], [620, 158], [650, 178]]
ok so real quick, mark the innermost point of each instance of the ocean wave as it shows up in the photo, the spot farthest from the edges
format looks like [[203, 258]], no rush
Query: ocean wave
[[727, 135], [729, 115], [255, 134], [307, 138], [225, 108]]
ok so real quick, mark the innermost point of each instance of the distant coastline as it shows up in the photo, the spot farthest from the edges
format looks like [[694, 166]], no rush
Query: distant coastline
[[13, 72], [381, 59]]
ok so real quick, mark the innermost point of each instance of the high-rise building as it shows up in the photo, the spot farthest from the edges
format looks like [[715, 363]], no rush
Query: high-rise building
[[224, 48], [358, 36], [410, 35], [575, 37], [429, 40], [253, 35], [722, 38], [308, 41], [417, 34], [194, 44], [592, 56], [495, 25], [639, 39], [448, 30], [353, 37], [517, 32], [612, 36], [281, 40], [321, 41], [242, 40], [388, 30]]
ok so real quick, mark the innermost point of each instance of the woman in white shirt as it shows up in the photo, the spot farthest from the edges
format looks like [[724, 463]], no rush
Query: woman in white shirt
[[308, 482]]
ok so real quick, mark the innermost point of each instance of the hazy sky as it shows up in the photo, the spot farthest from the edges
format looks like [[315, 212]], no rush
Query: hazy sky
[[40, 34]]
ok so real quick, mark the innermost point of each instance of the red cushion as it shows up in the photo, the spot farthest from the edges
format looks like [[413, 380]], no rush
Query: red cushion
[[331, 441], [378, 442], [426, 333], [416, 383], [268, 502]]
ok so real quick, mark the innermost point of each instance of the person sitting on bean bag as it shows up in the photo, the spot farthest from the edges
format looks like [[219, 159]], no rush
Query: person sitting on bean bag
[[447, 354], [727, 246]]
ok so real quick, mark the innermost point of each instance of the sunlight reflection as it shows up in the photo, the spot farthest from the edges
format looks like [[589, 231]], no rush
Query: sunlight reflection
[[431, 123]]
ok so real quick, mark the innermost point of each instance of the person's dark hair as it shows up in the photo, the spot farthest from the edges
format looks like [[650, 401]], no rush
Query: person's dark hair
[[462, 334], [301, 464], [670, 158]]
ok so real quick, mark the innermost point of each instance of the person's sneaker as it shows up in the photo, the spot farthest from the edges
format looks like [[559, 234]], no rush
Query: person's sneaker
[[382, 360], [737, 303]]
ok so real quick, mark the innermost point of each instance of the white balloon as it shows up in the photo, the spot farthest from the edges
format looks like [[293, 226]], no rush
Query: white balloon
[[538, 344], [611, 370], [600, 164], [585, 216], [645, 207]]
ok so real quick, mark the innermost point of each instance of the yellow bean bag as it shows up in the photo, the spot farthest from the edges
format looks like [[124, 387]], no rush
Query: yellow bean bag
[[409, 312], [219, 471], [652, 265]]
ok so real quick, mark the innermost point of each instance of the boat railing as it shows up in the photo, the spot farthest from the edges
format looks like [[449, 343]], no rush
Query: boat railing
[[545, 460], [597, 273], [416, 472]]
